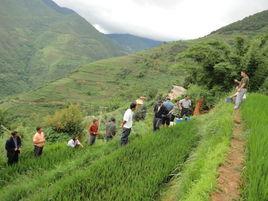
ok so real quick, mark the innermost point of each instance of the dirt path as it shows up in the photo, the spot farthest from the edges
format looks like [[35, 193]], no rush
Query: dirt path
[[229, 180]]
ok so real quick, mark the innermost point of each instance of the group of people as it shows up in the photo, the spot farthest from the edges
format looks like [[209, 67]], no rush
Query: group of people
[[13, 145], [126, 126], [165, 111]]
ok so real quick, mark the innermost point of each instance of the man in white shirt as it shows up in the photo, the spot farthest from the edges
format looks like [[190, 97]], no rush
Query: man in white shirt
[[185, 106], [127, 123], [74, 143]]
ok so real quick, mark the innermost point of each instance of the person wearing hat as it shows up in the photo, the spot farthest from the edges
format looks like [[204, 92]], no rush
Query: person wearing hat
[[127, 123], [13, 145], [110, 129]]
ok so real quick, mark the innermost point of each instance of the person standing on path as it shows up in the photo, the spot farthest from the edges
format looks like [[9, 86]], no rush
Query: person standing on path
[[127, 123], [39, 142], [93, 131], [185, 106], [242, 89], [13, 145]]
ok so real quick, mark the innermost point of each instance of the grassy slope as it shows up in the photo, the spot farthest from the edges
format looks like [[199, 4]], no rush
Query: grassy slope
[[198, 178], [90, 172], [40, 41], [111, 83], [97, 170], [255, 113]]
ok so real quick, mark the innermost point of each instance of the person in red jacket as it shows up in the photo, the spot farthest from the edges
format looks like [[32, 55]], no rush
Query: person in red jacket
[[93, 132]]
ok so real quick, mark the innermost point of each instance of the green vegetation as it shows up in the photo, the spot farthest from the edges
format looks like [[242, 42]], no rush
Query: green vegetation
[[198, 177], [111, 83], [253, 24], [215, 63], [255, 113], [140, 170], [209, 64], [133, 172], [38, 173], [68, 120], [40, 42]]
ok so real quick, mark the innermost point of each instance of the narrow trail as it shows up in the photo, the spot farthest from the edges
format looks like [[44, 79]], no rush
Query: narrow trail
[[229, 180]]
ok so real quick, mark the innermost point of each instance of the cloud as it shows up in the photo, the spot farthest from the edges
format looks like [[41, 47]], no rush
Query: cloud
[[163, 19]]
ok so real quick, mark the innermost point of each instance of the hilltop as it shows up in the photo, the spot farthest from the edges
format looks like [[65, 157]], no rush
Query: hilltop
[[254, 24]]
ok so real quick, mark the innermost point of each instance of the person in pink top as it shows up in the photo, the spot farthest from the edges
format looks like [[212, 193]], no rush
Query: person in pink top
[[39, 141]]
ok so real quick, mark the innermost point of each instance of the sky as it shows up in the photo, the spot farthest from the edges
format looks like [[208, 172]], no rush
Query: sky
[[165, 20]]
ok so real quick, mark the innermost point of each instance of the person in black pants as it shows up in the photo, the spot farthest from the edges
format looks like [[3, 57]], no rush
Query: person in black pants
[[13, 145], [160, 114]]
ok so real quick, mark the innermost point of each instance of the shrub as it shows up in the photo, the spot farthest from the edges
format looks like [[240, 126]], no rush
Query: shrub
[[152, 93], [3, 121], [140, 114], [67, 120]]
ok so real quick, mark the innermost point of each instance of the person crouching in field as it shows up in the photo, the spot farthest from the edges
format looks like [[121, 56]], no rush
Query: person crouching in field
[[39, 141], [13, 145], [74, 143], [110, 129], [242, 89], [93, 132], [127, 123]]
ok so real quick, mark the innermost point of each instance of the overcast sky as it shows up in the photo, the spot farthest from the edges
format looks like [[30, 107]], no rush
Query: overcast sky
[[163, 19]]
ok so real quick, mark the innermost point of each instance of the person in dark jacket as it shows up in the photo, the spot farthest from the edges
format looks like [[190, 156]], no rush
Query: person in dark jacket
[[13, 145], [160, 113]]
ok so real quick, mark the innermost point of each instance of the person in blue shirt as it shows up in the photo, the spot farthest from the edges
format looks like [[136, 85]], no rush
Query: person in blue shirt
[[169, 106]]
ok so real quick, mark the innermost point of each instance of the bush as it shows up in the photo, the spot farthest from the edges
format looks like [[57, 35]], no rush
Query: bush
[[3, 121], [197, 92], [67, 120], [140, 114], [152, 93]]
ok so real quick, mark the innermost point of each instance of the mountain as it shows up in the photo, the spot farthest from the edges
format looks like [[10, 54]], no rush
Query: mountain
[[114, 82], [41, 41], [250, 25], [131, 43]]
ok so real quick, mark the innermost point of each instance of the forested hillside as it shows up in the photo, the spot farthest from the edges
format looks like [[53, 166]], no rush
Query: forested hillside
[[40, 42]]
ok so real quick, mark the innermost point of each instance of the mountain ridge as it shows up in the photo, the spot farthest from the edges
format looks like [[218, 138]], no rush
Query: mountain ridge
[[132, 43]]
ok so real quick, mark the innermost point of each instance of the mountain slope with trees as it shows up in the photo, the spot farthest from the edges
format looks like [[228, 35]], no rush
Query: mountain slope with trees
[[40, 42]]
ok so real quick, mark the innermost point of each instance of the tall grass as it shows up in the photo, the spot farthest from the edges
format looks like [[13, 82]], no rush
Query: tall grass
[[198, 177], [255, 114], [25, 185], [135, 172], [29, 164]]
